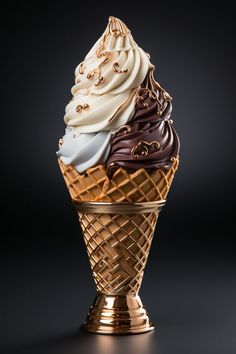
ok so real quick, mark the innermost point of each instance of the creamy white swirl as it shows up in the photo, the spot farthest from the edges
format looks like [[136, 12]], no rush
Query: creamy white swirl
[[84, 150], [107, 80]]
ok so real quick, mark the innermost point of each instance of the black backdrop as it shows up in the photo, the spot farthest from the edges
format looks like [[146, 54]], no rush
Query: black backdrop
[[191, 45], [192, 48]]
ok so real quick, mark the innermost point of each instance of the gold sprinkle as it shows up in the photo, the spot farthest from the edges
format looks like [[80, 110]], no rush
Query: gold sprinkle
[[153, 95], [116, 33], [116, 27], [156, 144], [90, 75], [172, 159], [171, 121], [144, 146], [145, 105], [81, 107], [166, 96], [100, 79], [139, 99], [100, 54], [81, 69], [115, 65], [124, 129], [86, 106]]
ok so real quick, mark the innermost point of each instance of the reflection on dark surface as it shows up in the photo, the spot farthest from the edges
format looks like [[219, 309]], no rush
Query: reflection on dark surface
[[140, 344], [82, 343]]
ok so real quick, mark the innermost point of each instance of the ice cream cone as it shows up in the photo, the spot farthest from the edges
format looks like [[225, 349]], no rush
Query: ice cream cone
[[118, 238], [118, 157], [140, 186]]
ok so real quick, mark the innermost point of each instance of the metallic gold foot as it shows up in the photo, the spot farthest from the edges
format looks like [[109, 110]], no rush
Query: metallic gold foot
[[117, 314]]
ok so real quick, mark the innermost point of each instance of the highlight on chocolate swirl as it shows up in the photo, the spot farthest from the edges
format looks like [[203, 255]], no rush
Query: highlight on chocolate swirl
[[149, 140], [119, 116]]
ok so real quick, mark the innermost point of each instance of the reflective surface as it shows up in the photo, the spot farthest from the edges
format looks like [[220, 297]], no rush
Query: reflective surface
[[119, 208], [118, 246], [117, 314]]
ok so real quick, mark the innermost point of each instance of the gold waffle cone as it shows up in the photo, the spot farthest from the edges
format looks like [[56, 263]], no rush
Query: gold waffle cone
[[118, 245], [139, 186]]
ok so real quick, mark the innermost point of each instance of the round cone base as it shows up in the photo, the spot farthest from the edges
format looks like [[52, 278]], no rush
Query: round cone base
[[117, 314]]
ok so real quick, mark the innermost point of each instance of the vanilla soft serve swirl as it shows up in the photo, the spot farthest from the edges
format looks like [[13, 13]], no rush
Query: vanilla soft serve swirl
[[106, 81]]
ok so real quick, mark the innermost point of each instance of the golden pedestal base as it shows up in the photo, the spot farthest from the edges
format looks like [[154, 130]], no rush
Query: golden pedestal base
[[117, 314]]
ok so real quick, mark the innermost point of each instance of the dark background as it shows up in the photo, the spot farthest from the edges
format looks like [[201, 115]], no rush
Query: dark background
[[189, 286]]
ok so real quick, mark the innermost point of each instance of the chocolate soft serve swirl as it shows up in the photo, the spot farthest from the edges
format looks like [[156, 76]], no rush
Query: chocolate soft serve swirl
[[149, 140]]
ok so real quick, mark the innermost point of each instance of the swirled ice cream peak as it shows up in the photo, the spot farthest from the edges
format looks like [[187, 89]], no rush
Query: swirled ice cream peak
[[106, 81]]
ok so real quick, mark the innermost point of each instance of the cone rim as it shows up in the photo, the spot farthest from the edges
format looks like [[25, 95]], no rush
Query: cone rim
[[119, 207]]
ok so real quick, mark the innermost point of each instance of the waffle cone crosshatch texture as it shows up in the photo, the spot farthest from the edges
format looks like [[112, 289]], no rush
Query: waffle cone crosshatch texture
[[139, 186], [118, 238]]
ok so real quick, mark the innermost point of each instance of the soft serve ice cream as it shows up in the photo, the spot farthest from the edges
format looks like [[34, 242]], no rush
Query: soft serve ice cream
[[104, 96], [119, 116], [149, 139]]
